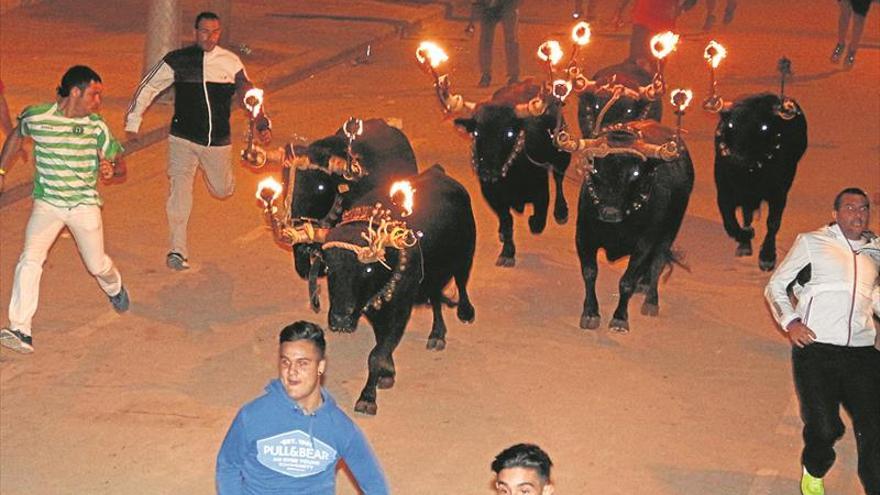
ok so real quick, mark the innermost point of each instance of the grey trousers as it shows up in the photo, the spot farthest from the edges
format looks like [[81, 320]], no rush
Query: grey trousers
[[509, 18]]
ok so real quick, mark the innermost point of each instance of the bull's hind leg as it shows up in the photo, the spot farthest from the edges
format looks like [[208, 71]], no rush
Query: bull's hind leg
[[465, 311], [437, 339], [767, 256], [744, 243], [638, 262], [662, 256], [590, 271], [381, 363], [743, 236], [505, 234], [560, 206]]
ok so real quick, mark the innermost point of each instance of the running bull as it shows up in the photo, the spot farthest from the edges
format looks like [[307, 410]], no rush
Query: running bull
[[381, 261], [636, 188]]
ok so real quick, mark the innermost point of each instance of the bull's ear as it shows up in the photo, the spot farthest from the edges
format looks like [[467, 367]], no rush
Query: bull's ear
[[466, 124]]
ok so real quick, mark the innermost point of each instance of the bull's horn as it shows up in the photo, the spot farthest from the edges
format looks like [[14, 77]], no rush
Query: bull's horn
[[667, 151], [304, 234], [566, 142], [457, 104], [534, 108], [716, 104]]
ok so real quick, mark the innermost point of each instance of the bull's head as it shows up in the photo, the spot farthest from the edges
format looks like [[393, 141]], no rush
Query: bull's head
[[620, 93], [751, 133], [499, 137], [367, 256]]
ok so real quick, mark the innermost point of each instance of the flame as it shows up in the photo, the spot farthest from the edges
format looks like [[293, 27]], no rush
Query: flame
[[253, 101], [561, 89], [714, 53], [405, 188], [550, 51], [580, 34], [353, 128], [662, 44], [681, 98], [431, 52], [267, 186]]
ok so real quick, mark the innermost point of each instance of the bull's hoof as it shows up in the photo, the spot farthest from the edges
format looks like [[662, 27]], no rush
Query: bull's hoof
[[743, 250], [385, 382], [505, 261], [619, 326], [537, 224], [561, 216], [642, 288], [365, 407], [436, 344], [589, 322], [342, 330], [766, 265], [650, 309], [466, 313]]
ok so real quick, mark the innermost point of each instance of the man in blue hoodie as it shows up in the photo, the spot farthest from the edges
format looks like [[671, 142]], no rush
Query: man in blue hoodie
[[291, 439]]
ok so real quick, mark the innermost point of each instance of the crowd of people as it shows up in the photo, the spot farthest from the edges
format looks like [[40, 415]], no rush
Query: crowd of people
[[292, 437]]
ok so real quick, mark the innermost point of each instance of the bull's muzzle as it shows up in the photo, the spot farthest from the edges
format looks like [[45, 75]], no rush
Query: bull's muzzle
[[342, 322], [610, 214]]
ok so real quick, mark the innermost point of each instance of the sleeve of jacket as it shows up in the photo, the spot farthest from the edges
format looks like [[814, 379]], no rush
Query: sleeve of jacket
[[364, 465], [157, 80], [775, 293], [230, 460]]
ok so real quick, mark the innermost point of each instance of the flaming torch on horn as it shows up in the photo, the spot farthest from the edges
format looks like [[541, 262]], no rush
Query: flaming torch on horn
[[430, 56], [680, 99], [268, 191], [580, 35], [550, 52], [662, 45], [714, 54], [253, 154]]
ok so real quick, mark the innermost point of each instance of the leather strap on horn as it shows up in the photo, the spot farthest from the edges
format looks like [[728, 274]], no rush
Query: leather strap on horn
[[534, 108]]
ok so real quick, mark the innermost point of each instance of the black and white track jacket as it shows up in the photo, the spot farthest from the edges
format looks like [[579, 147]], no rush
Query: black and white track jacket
[[204, 84]]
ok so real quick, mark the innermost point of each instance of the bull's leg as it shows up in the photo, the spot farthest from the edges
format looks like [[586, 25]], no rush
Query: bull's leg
[[767, 256], [638, 263], [590, 271], [538, 220], [465, 312], [437, 339], [727, 208], [662, 255], [560, 206], [505, 233], [381, 363]]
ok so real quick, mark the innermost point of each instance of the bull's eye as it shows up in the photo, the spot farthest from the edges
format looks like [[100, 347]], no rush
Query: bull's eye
[[764, 127], [476, 133], [597, 106], [368, 269], [629, 110], [320, 187], [510, 133], [635, 173], [730, 125]]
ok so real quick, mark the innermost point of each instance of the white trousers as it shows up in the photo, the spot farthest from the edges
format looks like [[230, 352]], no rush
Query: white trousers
[[183, 159], [46, 222]]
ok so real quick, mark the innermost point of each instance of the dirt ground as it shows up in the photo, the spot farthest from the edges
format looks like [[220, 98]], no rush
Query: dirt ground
[[698, 400]]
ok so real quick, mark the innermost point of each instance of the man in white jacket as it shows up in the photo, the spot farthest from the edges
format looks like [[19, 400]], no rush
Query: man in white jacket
[[834, 358]]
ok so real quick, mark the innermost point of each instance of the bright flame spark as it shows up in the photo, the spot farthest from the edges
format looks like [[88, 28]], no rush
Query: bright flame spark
[[714, 53], [681, 98], [662, 44], [561, 89], [550, 51], [253, 101], [580, 34], [432, 53], [266, 186], [405, 188]]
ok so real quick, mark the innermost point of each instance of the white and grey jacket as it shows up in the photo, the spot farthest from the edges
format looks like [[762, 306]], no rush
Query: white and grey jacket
[[838, 301]]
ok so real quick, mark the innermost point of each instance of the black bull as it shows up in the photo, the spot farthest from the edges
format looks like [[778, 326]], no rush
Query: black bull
[[383, 151], [512, 156], [757, 149], [631, 207], [443, 224], [625, 109]]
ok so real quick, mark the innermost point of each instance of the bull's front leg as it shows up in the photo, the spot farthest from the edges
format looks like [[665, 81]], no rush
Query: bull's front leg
[[437, 339], [767, 256], [560, 206], [589, 271], [638, 263], [505, 235], [538, 219], [388, 327], [727, 208]]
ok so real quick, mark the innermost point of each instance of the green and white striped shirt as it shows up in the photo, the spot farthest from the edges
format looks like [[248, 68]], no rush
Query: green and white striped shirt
[[67, 152]]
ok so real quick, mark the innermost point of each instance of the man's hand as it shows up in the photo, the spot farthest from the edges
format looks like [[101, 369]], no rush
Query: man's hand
[[105, 168], [131, 136], [800, 334]]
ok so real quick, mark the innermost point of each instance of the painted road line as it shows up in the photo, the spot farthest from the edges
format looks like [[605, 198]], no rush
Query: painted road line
[[763, 482]]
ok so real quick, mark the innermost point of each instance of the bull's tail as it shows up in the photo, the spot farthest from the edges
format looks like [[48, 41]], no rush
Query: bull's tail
[[673, 257]]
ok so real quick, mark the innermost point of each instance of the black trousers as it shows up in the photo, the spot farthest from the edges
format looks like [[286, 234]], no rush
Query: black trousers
[[826, 377]]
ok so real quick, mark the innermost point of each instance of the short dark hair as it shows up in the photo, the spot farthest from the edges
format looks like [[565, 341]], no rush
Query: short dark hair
[[524, 455], [849, 190], [78, 76], [205, 15], [304, 330]]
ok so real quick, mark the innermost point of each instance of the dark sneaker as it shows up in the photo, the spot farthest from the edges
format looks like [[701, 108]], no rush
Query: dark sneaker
[[120, 301], [176, 261], [16, 340], [850, 59], [485, 80], [836, 54]]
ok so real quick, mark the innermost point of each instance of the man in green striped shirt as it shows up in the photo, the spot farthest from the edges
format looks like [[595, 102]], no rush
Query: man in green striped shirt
[[72, 148]]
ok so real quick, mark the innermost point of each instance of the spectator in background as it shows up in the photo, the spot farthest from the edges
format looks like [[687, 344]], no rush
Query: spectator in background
[[855, 10], [491, 13], [649, 17], [523, 469]]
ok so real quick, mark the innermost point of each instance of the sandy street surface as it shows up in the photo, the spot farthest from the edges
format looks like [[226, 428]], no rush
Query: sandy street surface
[[698, 400]]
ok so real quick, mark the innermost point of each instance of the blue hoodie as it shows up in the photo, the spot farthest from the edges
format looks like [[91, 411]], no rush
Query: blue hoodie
[[273, 447]]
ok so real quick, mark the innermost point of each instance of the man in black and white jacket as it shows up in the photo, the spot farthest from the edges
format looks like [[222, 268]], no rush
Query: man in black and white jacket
[[206, 77]]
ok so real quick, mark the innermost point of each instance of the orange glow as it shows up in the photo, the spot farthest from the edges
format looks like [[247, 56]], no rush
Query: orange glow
[[714, 53], [266, 187], [253, 101], [561, 89], [405, 188], [580, 34], [663, 44], [431, 53], [550, 51], [681, 98]]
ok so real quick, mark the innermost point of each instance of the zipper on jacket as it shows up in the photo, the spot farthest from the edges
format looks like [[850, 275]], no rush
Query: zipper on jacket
[[852, 304], [207, 100]]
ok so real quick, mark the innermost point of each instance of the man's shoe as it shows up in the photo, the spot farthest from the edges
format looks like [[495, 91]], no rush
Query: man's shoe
[[838, 51], [811, 485], [16, 340], [176, 261], [512, 80], [120, 301], [710, 22], [485, 81], [850, 59]]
